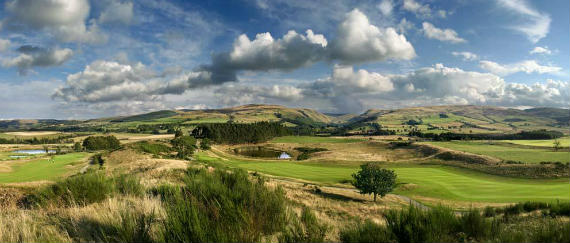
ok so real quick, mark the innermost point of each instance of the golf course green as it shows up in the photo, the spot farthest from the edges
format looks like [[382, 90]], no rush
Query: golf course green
[[40, 169]]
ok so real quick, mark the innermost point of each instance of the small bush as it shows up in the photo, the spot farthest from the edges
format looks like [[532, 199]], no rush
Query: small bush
[[303, 156]]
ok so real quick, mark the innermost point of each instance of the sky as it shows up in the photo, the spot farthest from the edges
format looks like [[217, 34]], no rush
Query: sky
[[80, 59]]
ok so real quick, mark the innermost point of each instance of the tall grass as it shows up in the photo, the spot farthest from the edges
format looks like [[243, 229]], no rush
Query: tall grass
[[83, 189], [440, 224], [306, 229], [221, 206]]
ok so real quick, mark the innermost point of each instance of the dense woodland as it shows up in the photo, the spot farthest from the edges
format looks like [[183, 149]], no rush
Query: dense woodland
[[538, 134], [101, 143], [35, 140], [235, 133]]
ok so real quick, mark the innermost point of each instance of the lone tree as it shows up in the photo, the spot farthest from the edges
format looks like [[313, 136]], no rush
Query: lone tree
[[372, 179], [205, 144], [184, 145], [556, 144]]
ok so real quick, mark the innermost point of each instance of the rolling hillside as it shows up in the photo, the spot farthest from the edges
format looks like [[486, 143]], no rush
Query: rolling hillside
[[436, 119], [468, 119]]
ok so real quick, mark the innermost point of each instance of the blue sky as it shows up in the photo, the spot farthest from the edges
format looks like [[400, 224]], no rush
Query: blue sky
[[85, 59]]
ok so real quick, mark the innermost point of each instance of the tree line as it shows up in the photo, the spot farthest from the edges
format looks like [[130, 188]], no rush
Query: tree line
[[530, 135], [101, 143], [235, 133], [35, 140]]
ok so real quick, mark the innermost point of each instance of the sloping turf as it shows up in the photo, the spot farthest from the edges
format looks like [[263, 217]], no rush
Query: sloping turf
[[41, 169], [431, 181]]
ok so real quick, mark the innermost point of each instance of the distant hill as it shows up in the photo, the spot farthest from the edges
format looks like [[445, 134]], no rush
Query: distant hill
[[468, 118], [437, 119]]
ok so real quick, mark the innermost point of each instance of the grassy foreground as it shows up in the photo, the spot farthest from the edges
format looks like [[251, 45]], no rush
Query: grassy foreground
[[40, 169], [428, 181]]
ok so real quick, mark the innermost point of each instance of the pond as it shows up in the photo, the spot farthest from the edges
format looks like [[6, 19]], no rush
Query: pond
[[32, 151], [258, 151]]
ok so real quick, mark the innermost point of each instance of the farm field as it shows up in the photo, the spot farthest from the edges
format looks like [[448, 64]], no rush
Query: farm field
[[426, 181], [506, 151], [40, 169]]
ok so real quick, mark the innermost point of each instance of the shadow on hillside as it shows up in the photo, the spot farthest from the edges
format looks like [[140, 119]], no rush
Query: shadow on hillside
[[335, 196]]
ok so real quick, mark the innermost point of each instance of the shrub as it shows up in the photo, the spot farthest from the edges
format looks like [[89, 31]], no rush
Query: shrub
[[154, 148], [248, 210], [303, 156], [205, 144], [101, 143], [80, 189], [83, 189], [489, 212]]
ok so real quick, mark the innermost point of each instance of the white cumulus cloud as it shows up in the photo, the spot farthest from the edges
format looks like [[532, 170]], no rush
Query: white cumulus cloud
[[467, 56], [67, 20], [358, 41], [541, 50], [447, 35], [527, 66]]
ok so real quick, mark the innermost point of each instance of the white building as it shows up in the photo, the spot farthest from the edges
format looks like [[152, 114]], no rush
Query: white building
[[284, 156]]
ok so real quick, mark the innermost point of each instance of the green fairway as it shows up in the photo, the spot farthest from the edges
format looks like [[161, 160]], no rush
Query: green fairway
[[310, 139], [430, 181], [506, 152], [40, 169], [564, 142], [458, 184]]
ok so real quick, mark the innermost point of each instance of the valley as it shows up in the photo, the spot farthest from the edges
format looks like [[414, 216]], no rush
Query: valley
[[153, 152]]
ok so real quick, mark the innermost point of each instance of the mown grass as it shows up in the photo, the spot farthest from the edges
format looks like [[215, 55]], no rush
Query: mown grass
[[505, 152], [429, 181], [564, 142], [41, 169], [311, 139]]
